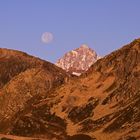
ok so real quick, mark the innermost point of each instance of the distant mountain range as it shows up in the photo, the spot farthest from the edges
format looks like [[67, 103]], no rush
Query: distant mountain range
[[40, 101]]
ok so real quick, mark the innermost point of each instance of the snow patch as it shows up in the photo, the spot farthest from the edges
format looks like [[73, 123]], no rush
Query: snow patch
[[77, 74]]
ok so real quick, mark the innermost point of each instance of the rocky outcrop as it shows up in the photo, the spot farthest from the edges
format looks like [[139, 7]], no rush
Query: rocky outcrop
[[78, 61], [79, 113]]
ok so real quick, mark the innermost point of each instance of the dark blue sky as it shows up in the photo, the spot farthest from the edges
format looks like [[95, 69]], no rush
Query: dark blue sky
[[105, 25]]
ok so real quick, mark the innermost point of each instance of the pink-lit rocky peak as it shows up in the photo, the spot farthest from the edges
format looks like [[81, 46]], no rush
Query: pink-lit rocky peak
[[79, 60]]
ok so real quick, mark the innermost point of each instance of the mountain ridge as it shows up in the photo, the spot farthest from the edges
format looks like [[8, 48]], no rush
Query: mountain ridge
[[103, 103]]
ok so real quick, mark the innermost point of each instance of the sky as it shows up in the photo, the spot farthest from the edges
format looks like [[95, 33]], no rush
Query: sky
[[104, 25]]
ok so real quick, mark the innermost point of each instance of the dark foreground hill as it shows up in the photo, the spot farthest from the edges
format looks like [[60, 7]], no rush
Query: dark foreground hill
[[42, 101]]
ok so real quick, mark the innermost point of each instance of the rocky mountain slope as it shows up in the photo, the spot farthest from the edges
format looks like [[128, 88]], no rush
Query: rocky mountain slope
[[13, 63], [102, 104], [78, 61], [23, 78]]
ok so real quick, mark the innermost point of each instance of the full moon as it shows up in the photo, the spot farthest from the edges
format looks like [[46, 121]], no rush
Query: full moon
[[47, 37]]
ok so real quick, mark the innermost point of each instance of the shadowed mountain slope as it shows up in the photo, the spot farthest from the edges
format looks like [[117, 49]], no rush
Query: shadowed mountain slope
[[14, 62], [22, 78]]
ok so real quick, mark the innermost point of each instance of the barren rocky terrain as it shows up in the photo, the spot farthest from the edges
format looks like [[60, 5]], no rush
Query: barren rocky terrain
[[38, 100]]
